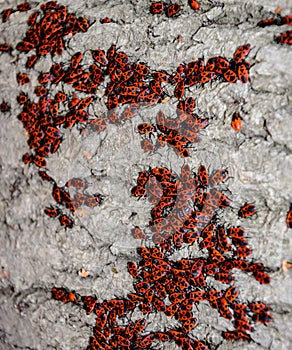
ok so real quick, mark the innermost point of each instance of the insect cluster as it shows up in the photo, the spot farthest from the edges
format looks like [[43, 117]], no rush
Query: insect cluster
[[171, 9], [64, 199], [178, 133], [284, 38], [186, 212], [44, 119], [186, 207]]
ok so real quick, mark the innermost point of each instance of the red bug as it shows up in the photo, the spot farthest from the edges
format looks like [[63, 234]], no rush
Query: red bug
[[138, 233], [106, 20], [262, 277], [177, 297], [222, 240], [185, 173], [206, 76], [89, 303], [190, 104], [31, 61], [179, 89], [243, 326], [194, 5], [145, 341], [98, 124], [141, 69], [76, 59], [148, 146], [231, 294], [53, 132], [236, 335], [146, 128], [143, 177], [76, 182], [215, 256], [135, 297], [41, 91], [161, 336], [21, 98], [45, 78], [224, 310], [44, 176], [287, 20], [140, 325], [197, 296], [172, 10], [138, 191], [172, 309], [242, 72], [121, 58], [208, 230], [159, 304], [189, 325], [142, 287], [161, 76], [197, 268], [5, 47], [52, 212], [156, 253], [224, 277], [32, 19], [236, 232], [289, 217], [203, 175], [44, 49], [4, 107], [49, 5], [160, 290], [111, 52], [247, 210], [262, 317], [157, 7], [56, 193], [267, 22], [55, 145], [285, 38], [39, 161], [243, 252], [256, 267], [155, 87], [60, 97], [100, 57], [146, 308], [25, 6], [25, 46], [240, 308], [230, 76], [241, 52], [23, 78], [133, 269], [94, 200], [213, 295], [66, 221], [27, 158], [64, 296], [83, 24], [69, 297], [6, 14], [236, 122], [241, 264], [101, 321], [259, 307], [178, 238]]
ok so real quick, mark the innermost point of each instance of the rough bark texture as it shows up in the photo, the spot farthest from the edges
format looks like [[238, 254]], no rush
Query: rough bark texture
[[37, 254]]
